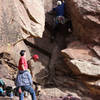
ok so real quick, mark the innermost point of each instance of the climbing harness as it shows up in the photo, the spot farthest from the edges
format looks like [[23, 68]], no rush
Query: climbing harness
[[60, 20]]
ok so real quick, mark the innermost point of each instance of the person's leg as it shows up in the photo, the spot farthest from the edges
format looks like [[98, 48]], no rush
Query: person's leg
[[54, 33], [21, 96], [31, 91], [55, 29]]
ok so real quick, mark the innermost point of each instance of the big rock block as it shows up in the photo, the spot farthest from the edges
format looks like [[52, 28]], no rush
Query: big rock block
[[85, 15]]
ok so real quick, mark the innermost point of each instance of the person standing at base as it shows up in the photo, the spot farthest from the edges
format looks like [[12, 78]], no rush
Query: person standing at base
[[22, 62], [24, 83]]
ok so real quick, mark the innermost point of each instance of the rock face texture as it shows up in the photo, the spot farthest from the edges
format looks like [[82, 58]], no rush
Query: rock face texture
[[84, 62], [18, 20], [82, 59], [31, 21], [85, 15], [9, 29]]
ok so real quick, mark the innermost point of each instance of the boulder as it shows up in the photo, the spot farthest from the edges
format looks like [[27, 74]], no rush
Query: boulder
[[81, 60], [85, 19], [86, 67], [54, 92], [51, 94]]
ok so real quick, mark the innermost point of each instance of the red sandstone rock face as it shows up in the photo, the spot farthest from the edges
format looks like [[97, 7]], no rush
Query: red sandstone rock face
[[16, 22], [85, 15], [9, 29], [81, 59], [84, 61], [48, 5]]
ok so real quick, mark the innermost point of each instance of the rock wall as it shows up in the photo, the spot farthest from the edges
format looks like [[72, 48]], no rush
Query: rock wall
[[18, 21], [85, 15], [83, 59], [9, 28], [84, 63]]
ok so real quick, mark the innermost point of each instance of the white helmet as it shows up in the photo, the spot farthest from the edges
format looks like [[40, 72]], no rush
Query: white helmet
[[59, 3]]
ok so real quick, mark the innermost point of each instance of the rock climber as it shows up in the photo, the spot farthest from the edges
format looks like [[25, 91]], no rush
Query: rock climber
[[59, 17]]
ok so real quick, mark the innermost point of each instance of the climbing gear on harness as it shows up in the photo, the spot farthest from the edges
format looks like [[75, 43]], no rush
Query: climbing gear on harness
[[60, 20]]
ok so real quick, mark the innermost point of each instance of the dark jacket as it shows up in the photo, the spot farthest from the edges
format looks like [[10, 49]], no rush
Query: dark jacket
[[23, 79], [59, 10]]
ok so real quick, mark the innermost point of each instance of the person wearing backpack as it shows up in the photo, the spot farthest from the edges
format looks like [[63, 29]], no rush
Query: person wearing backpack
[[24, 83]]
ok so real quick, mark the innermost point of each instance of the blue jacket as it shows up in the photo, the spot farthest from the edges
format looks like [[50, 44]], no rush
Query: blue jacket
[[59, 10], [23, 79]]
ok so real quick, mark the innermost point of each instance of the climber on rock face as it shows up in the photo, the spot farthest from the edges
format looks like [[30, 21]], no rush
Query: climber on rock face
[[60, 19], [59, 9]]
